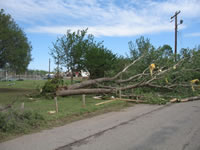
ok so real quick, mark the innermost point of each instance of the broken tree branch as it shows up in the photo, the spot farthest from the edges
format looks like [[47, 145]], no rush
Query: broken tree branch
[[130, 100], [190, 99], [137, 76], [95, 81], [185, 99], [83, 91], [8, 106], [159, 86]]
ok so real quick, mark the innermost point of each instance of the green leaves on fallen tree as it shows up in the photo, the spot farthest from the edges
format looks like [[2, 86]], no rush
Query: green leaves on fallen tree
[[51, 85]]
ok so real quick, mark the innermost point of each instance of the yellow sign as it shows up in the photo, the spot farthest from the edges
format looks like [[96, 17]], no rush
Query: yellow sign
[[152, 67]]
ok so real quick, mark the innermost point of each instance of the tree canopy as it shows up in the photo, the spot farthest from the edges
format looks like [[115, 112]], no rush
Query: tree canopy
[[98, 60], [15, 49], [78, 51], [68, 50]]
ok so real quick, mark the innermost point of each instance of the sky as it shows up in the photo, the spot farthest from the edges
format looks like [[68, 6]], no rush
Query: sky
[[116, 22]]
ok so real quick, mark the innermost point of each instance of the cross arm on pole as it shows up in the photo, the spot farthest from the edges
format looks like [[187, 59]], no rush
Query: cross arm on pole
[[176, 13]]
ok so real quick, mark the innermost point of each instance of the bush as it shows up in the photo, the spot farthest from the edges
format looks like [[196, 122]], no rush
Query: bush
[[16, 121], [51, 85]]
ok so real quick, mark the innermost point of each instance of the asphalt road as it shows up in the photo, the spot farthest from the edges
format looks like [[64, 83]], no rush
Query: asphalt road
[[142, 127], [176, 127]]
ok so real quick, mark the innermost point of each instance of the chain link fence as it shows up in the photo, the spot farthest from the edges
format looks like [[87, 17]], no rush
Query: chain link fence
[[12, 76]]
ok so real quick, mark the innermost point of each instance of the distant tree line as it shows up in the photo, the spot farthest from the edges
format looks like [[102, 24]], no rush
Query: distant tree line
[[39, 72]]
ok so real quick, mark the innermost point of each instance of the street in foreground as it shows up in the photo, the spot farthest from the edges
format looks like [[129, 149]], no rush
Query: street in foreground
[[143, 127]]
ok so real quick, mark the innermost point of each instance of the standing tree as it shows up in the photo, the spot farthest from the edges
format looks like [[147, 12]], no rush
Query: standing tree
[[68, 50], [141, 47], [15, 49], [98, 60], [76, 51]]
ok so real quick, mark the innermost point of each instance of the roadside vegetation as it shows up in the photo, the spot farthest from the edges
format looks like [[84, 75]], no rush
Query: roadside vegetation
[[34, 114]]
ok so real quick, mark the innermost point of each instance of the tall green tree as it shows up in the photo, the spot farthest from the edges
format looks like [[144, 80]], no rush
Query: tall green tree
[[98, 60], [15, 49], [68, 50], [141, 47], [79, 51]]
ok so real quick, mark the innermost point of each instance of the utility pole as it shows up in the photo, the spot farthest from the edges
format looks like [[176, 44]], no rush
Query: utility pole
[[176, 30], [49, 66], [58, 66]]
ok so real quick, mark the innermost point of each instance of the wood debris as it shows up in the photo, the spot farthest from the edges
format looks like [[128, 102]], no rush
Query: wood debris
[[104, 102], [174, 100], [97, 97], [130, 100], [51, 112]]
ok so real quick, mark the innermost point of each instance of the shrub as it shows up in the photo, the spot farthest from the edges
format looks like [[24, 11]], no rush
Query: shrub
[[17, 121], [52, 84]]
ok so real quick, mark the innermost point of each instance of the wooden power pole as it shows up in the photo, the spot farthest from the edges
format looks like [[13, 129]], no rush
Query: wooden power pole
[[176, 30], [49, 66]]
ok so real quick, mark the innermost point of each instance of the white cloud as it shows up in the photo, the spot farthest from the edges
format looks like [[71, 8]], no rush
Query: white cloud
[[118, 30], [196, 34], [188, 8], [103, 18]]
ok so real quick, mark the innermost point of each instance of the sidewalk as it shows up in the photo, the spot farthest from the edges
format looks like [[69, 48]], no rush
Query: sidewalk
[[64, 135]]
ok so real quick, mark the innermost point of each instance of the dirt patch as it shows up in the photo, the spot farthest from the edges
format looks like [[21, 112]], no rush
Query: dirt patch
[[13, 90]]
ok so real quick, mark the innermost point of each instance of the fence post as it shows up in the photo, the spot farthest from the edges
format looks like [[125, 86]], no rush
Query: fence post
[[120, 93], [55, 98], [22, 106], [83, 100]]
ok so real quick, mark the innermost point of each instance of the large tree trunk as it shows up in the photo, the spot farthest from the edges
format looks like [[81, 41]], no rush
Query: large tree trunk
[[88, 83], [83, 91]]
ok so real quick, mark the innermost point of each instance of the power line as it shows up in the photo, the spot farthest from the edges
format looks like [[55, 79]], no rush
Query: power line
[[180, 39]]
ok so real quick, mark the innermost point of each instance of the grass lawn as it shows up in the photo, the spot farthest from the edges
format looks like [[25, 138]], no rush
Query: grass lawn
[[27, 84], [70, 108]]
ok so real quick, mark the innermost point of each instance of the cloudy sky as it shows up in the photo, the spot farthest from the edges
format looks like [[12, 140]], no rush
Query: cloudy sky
[[116, 22]]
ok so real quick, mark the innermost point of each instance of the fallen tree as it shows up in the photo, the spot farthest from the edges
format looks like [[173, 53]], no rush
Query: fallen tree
[[116, 84], [76, 89], [147, 70]]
